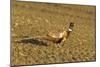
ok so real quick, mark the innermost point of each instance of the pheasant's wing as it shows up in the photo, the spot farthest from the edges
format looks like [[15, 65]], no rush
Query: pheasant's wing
[[54, 35]]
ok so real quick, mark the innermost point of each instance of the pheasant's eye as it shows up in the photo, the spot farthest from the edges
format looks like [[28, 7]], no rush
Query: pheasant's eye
[[72, 24]]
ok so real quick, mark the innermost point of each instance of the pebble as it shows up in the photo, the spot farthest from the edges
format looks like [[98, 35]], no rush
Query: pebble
[[22, 54], [16, 24], [46, 20]]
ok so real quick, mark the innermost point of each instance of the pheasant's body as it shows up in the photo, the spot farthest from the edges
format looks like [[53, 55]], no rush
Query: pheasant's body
[[62, 36], [49, 38], [58, 37]]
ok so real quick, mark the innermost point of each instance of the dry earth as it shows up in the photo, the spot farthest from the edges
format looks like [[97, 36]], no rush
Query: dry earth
[[37, 19]]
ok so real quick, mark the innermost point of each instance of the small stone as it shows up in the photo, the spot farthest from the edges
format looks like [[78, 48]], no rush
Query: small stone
[[22, 54], [16, 24], [46, 20]]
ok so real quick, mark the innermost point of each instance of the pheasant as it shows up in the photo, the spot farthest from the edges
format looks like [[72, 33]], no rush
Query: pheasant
[[58, 37], [55, 37]]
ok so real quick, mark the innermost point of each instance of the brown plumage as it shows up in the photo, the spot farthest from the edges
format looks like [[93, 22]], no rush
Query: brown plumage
[[58, 37]]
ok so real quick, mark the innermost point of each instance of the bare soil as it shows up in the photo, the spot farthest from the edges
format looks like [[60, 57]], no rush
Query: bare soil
[[37, 19]]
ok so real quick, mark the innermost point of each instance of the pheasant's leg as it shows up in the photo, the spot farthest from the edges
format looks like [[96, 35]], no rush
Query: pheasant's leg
[[58, 45], [63, 41]]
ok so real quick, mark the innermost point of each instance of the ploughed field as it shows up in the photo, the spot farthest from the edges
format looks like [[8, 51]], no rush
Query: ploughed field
[[37, 19]]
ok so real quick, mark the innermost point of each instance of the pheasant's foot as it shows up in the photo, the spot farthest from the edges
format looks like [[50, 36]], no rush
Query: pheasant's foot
[[58, 45]]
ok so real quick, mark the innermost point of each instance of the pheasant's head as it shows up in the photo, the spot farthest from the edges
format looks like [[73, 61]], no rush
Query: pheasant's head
[[71, 27]]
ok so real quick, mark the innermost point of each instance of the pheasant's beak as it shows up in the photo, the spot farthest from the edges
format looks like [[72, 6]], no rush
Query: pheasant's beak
[[70, 30]]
